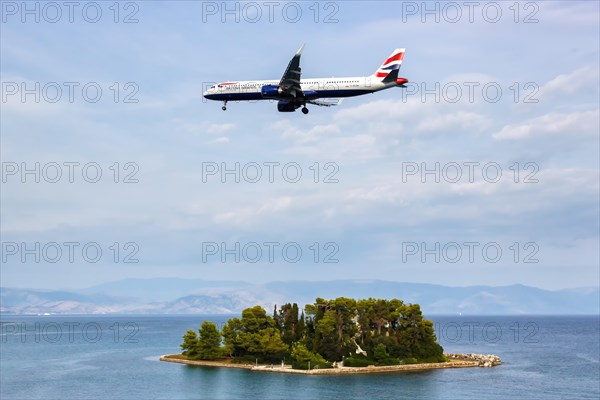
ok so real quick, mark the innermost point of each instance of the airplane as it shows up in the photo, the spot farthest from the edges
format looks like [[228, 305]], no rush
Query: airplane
[[292, 92]]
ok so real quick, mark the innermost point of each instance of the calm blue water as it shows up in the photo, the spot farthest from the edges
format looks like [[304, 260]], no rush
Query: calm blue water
[[91, 357]]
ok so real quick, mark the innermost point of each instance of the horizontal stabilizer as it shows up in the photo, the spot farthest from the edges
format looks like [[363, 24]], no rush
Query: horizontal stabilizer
[[326, 102]]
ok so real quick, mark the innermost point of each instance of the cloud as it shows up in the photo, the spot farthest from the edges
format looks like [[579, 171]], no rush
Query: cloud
[[249, 215], [568, 124], [220, 128], [462, 120], [220, 140], [375, 129], [291, 131], [585, 78]]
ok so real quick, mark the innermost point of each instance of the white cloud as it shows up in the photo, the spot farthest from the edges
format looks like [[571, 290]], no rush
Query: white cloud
[[568, 124], [250, 214], [371, 130], [584, 78], [458, 120], [290, 130], [219, 128], [220, 140]]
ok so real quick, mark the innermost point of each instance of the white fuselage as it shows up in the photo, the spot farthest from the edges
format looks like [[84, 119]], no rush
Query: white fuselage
[[312, 88]]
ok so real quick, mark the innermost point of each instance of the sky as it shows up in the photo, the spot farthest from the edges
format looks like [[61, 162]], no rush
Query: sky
[[484, 170]]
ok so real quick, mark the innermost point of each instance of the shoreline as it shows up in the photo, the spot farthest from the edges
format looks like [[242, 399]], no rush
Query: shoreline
[[468, 361]]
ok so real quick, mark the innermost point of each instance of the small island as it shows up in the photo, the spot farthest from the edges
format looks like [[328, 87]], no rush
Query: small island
[[340, 336]]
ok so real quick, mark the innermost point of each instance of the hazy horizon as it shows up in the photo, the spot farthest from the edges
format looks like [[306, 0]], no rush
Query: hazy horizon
[[250, 282]]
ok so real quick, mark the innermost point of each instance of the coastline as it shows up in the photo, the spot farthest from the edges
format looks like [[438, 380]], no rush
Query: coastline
[[468, 361]]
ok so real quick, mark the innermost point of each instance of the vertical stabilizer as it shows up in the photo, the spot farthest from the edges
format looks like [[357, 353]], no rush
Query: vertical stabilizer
[[388, 71]]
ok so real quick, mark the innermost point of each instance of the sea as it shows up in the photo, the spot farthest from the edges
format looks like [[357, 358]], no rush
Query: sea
[[117, 357]]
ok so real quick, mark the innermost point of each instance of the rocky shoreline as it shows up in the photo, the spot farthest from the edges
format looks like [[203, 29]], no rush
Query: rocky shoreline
[[482, 360], [454, 361]]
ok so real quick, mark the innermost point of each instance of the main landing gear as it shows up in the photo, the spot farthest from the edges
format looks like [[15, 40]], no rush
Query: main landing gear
[[224, 108], [304, 110]]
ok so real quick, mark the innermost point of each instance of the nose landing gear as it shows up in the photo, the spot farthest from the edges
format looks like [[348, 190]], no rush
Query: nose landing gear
[[304, 110], [224, 105]]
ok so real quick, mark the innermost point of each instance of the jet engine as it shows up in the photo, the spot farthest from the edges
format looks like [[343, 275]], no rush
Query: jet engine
[[270, 91], [286, 106]]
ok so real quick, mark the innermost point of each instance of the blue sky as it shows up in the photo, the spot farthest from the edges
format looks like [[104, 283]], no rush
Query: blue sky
[[544, 124]]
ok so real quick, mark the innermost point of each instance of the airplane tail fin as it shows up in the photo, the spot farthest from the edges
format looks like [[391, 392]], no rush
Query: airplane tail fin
[[388, 71]]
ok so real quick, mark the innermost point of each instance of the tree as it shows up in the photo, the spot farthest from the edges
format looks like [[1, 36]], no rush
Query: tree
[[310, 328], [209, 343], [302, 358], [254, 335], [387, 330], [415, 335], [326, 338], [288, 317], [335, 327], [231, 332], [381, 314], [254, 319], [380, 354], [271, 344], [189, 346], [301, 327], [277, 318]]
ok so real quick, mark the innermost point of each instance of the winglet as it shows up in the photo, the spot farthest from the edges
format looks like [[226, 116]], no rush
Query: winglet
[[299, 52]]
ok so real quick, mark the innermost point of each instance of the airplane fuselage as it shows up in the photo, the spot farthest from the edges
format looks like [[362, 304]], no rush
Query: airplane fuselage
[[292, 92], [312, 88]]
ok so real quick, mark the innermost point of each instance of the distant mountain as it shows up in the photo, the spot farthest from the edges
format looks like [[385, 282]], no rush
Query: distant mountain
[[30, 301], [162, 289], [181, 296]]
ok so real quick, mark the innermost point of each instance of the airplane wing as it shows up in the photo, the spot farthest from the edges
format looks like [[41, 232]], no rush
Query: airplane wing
[[326, 102], [290, 81]]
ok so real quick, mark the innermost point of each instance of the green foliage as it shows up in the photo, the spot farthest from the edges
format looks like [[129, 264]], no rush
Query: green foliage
[[255, 335], [265, 344], [246, 359], [209, 342], [302, 358], [389, 331], [358, 361], [301, 327], [380, 354], [231, 337], [255, 319], [334, 327], [409, 360], [325, 336], [416, 335], [189, 346], [289, 323]]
